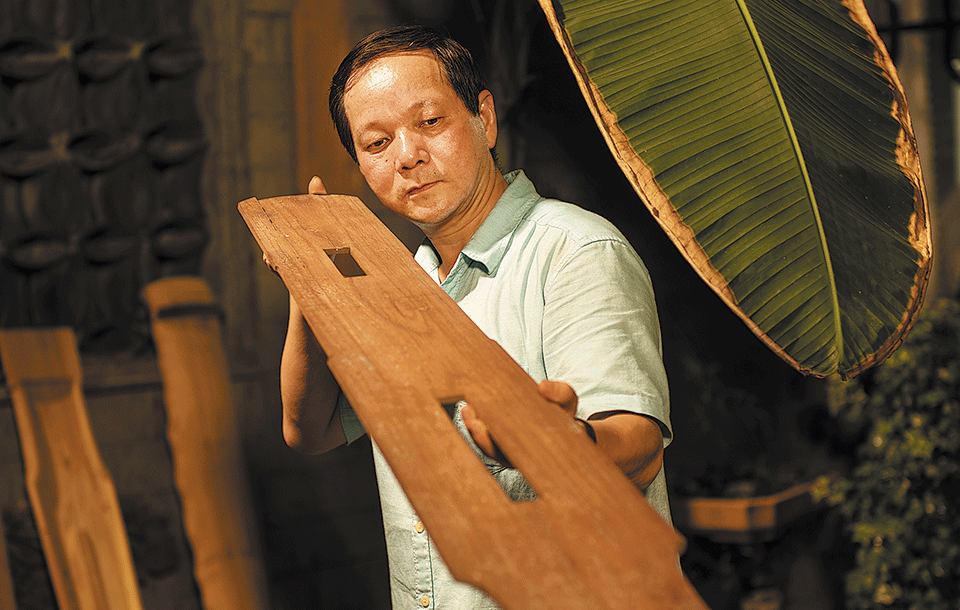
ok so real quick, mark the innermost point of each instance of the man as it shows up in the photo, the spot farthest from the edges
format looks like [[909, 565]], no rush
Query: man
[[558, 287]]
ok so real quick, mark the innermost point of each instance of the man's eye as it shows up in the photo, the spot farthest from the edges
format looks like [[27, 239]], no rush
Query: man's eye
[[432, 121], [378, 144]]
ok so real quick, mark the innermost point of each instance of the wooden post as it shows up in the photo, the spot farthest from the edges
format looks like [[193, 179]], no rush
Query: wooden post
[[205, 441], [400, 348], [72, 494], [7, 599]]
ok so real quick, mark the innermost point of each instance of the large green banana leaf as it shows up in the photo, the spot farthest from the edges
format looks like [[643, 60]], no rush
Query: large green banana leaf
[[771, 140]]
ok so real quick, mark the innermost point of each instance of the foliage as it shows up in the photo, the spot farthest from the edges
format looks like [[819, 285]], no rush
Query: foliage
[[762, 135], [902, 500]]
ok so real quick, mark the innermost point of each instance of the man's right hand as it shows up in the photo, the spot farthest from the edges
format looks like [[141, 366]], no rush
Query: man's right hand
[[308, 390], [316, 186]]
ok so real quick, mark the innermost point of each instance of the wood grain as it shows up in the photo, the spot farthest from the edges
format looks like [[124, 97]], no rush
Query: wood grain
[[205, 442], [400, 348], [72, 494]]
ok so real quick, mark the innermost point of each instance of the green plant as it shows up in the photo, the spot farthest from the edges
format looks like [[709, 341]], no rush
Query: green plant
[[902, 499], [762, 134]]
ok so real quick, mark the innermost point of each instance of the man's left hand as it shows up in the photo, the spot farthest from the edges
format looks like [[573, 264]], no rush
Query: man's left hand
[[557, 392], [633, 441]]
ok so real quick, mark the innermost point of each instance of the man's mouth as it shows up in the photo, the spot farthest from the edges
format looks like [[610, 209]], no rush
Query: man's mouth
[[422, 188]]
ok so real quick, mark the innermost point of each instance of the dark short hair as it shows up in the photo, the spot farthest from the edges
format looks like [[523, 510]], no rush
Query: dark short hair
[[455, 61]]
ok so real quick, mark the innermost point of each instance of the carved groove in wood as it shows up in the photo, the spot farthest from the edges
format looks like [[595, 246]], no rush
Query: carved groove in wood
[[71, 492]]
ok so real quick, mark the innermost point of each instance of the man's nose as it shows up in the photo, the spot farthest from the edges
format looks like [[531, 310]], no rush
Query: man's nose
[[411, 151]]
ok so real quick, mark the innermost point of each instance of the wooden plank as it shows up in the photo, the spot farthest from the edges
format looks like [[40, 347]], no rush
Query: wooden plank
[[7, 598], [72, 494], [205, 441], [400, 348]]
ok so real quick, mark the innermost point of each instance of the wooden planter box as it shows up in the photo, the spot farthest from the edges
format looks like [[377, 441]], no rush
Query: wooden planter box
[[744, 520]]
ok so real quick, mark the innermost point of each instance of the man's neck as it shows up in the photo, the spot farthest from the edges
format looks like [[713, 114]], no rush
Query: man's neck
[[449, 239]]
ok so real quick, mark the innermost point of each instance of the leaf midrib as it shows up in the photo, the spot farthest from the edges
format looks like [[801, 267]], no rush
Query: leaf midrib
[[785, 114]]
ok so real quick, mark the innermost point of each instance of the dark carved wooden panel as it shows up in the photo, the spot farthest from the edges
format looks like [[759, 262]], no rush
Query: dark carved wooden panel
[[101, 147]]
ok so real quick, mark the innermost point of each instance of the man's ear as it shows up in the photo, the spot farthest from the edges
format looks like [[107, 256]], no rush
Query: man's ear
[[488, 114]]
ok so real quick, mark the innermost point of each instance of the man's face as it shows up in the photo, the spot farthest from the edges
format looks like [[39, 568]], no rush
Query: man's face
[[419, 148]]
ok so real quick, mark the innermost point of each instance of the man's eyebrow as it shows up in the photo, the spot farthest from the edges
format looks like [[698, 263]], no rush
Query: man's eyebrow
[[420, 105], [414, 108]]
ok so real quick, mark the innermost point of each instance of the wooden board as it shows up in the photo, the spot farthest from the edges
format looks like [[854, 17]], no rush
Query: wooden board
[[72, 494], [205, 442], [745, 520], [7, 599], [401, 348]]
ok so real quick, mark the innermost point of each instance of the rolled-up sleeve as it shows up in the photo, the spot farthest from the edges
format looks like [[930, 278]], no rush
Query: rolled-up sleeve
[[601, 332]]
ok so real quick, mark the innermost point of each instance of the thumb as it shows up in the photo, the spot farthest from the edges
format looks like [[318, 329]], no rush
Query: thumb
[[560, 393], [316, 186]]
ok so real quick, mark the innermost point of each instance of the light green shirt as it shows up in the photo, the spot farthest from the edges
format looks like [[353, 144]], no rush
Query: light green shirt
[[564, 293]]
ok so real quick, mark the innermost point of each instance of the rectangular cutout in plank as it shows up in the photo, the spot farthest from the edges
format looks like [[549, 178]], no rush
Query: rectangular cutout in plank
[[344, 261], [450, 405]]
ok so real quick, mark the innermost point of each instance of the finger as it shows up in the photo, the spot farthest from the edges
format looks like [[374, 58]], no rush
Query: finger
[[316, 186], [477, 429], [269, 263], [481, 436], [560, 393]]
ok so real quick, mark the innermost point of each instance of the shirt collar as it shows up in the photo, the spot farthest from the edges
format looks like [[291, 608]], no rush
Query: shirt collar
[[490, 242]]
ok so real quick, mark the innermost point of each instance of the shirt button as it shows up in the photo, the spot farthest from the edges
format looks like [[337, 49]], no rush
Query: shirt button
[[424, 601], [419, 527]]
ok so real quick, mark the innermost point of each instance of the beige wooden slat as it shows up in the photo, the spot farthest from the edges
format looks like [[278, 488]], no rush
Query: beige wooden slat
[[400, 348], [72, 494], [205, 442], [7, 600]]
